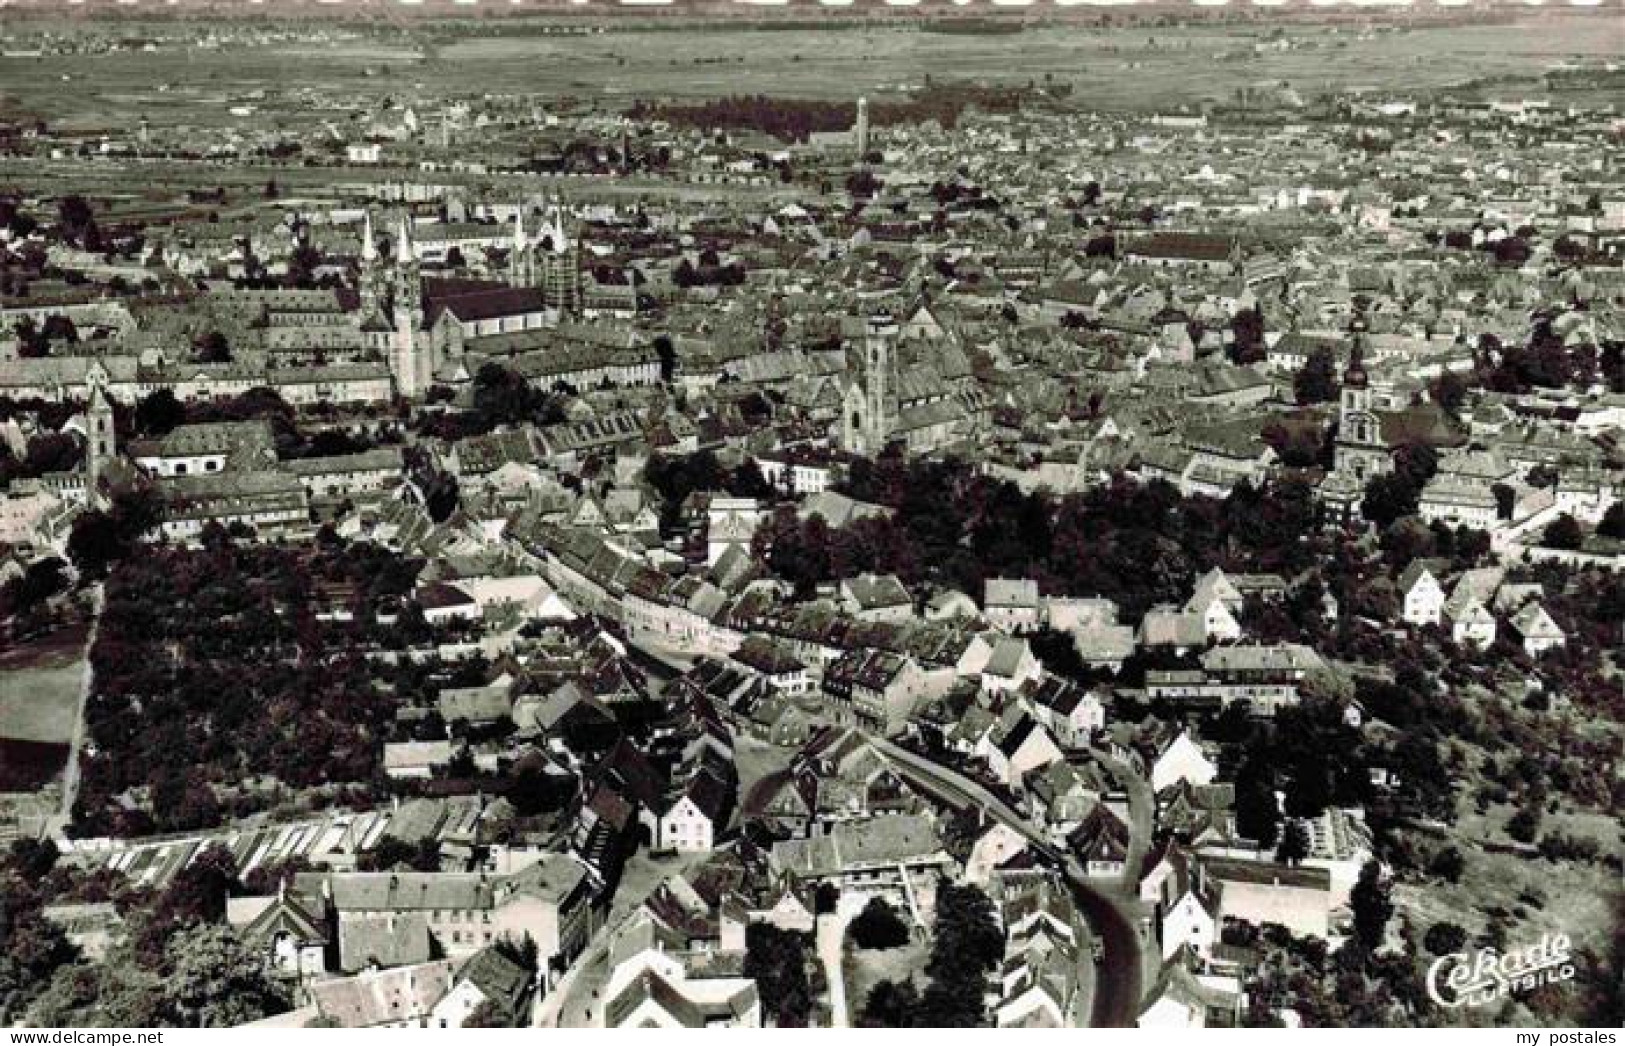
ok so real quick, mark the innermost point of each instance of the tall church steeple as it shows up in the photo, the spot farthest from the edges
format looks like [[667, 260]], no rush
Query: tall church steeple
[[868, 412], [103, 439], [521, 270], [556, 263], [1361, 451], [371, 280], [877, 384], [408, 284], [410, 357]]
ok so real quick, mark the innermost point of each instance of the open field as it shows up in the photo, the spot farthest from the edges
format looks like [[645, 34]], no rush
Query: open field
[[39, 698], [1109, 68], [1526, 896], [1574, 899], [39, 687]]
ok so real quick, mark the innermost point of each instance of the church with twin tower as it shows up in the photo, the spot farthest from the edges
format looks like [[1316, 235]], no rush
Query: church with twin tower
[[544, 272]]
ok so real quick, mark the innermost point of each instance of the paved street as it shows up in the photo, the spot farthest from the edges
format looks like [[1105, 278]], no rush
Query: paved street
[[576, 1001], [1113, 913]]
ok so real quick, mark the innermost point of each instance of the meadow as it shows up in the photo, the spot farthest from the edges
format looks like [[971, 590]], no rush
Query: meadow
[[39, 700], [1110, 69]]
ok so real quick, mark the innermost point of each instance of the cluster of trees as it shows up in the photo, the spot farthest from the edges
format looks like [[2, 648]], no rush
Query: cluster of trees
[[102, 537], [1247, 336], [46, 451], [968, 946], [34, 340], [1395, 494], [710, 272], [24, 598], [796, 119], [212, 670], [788, 119], [31, 947], [1564, 532], [1544, 360], [676, 476], [1138, 544], [1316, 381], [17, 221], [1349, 988], [502, 396], [1103, 245], [1409, 538], [180, 965], [777, 961], [393, 853], [1308, 752], [878, 926], [76, 219], [1301, 441], [161, 412]]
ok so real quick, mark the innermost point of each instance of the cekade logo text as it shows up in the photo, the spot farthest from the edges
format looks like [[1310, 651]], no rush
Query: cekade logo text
[[1463, 979]]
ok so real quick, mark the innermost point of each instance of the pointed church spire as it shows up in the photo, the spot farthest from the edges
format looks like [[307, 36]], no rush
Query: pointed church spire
[[403, 243], [519, 228], [369, 247], [555, 224]]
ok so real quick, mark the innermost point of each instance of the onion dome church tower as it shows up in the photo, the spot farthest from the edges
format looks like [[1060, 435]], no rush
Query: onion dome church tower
[[1361, 451]]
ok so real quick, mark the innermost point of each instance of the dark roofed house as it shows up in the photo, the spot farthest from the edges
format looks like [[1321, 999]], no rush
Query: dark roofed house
[[1101, 842], [1212, 252], [442, 601]]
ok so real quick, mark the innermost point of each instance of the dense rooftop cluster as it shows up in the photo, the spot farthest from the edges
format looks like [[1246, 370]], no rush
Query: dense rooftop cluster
[[775, 563]]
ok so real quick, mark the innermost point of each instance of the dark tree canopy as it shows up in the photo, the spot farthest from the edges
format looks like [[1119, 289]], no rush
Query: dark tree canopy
[[1372, 906], [1564, 532], [878, 926], [777, 960], [1316, 380]]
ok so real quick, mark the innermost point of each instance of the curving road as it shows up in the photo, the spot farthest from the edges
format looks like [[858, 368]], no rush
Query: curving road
[[1113, 912]]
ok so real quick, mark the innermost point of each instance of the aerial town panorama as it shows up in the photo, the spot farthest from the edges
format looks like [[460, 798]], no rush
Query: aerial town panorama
[[899, 515]]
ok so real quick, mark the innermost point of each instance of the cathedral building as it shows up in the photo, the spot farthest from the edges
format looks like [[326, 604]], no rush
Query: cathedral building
[[420, 326], [391, 310], [411, 356]]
